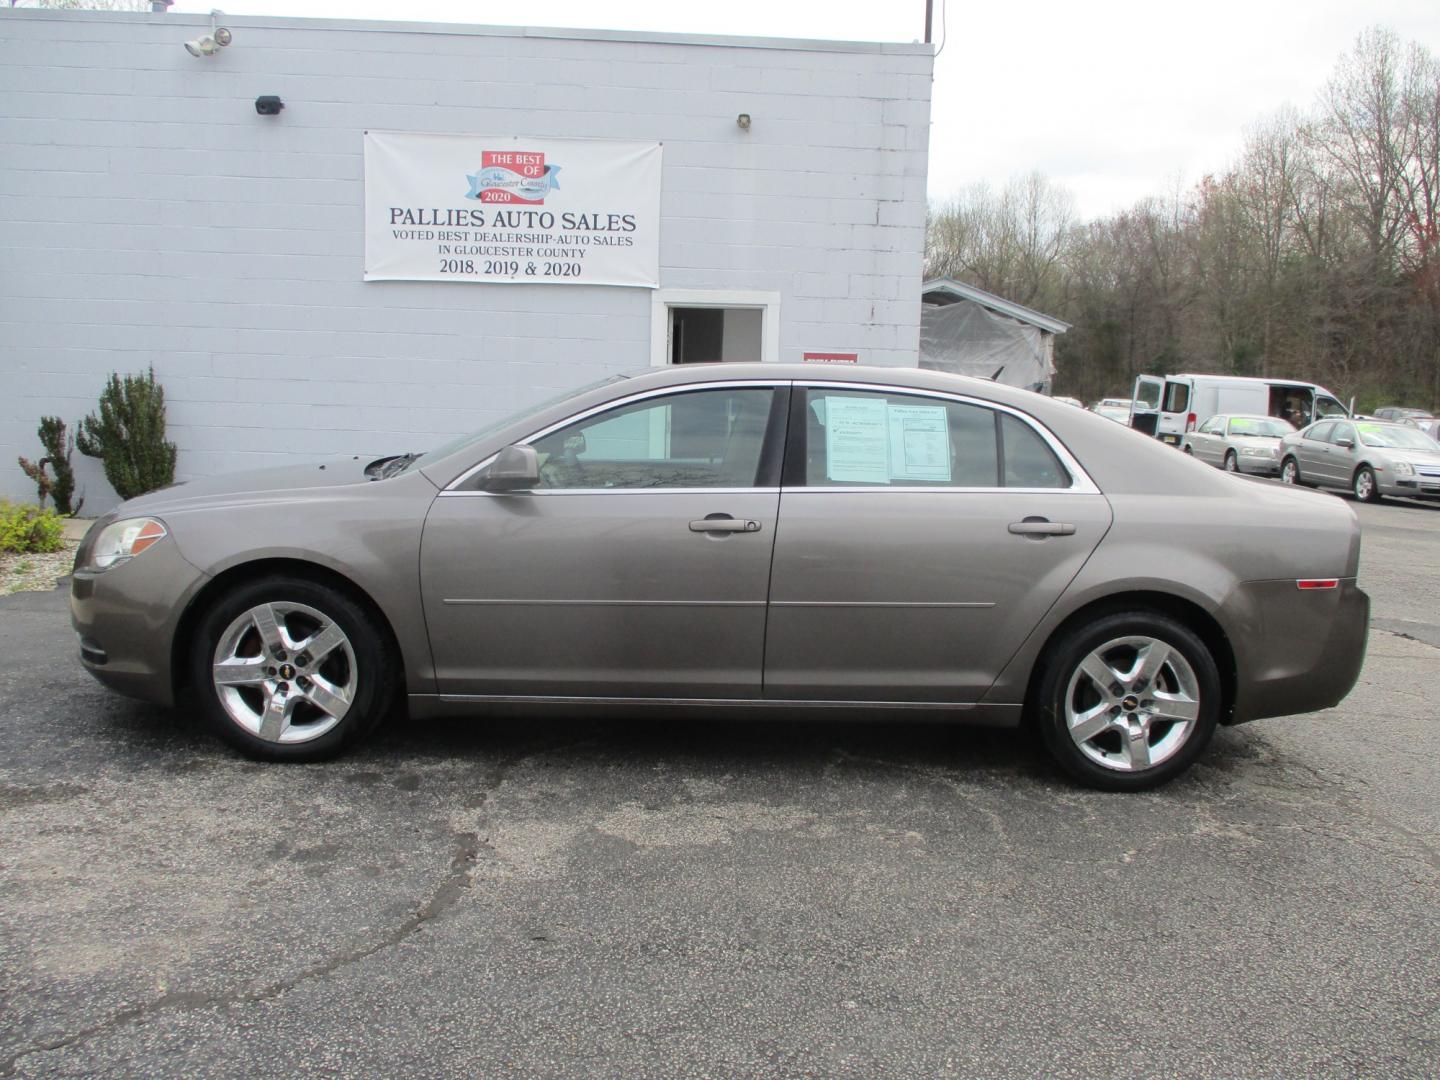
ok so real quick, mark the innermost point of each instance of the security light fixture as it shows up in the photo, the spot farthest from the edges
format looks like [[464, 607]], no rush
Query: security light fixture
[[743, 121], [268, 105], [211, 43]]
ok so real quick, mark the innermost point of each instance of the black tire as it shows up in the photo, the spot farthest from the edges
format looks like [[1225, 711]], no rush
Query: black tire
[[1062, 663], [1232, 463], [1188, 449], [1364, 485], [375, 667], [1290, 472]]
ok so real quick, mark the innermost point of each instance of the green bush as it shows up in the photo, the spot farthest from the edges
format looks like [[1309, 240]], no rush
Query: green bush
[[29, 529], [129, 435], [59, 445]]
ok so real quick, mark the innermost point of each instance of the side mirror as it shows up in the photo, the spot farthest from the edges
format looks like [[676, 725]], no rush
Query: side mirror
[[515, 468], [1345, 444]]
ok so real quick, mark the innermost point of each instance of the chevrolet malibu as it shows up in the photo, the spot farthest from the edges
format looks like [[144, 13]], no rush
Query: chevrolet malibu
[[727, 539]]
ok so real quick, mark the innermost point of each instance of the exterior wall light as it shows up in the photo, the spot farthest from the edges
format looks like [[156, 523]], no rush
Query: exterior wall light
[[268, 105], [743, 121], [211, 43]]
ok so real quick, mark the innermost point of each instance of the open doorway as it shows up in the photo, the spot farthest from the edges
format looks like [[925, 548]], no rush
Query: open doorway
[[713, 326], [714, 335]]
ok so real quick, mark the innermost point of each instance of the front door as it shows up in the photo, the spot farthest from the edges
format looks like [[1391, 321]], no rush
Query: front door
[[922, 539], [638, 568]]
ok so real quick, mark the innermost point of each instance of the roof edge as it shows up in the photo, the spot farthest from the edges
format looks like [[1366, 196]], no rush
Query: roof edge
[[995, 303], [280, 22]]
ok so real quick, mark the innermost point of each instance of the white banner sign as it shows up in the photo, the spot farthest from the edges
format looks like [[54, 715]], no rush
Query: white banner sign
[[505, 209]]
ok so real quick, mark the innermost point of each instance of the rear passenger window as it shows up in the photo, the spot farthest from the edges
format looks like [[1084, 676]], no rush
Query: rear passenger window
[[1320, 432], [1029, 462], [866, 439]]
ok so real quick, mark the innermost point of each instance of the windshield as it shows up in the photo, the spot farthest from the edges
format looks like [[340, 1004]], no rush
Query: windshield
[[1393, 435], [1266, 428], [447, 448]]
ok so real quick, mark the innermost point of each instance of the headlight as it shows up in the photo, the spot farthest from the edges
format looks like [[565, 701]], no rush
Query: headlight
[[1402, 468], [1257, 451], [123, 540]]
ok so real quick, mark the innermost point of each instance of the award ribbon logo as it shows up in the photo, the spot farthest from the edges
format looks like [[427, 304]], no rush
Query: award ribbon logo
[[512, 176]]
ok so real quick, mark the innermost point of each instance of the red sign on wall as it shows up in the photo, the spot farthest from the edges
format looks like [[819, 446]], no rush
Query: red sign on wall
[[832, 358]]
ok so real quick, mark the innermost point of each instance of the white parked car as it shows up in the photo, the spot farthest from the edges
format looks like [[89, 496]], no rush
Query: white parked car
[[1113, 408], [1248, 444]]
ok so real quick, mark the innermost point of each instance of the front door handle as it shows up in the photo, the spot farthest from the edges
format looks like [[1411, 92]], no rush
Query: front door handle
[[1041, 527], [724, 525]]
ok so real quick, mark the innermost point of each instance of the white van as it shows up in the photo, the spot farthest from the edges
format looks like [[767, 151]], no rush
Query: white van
[[1168, 406]]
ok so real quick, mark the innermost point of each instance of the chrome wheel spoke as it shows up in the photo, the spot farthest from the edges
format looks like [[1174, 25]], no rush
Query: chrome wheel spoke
[[1148, 662], [1137, 745], [1175, 707], [322, 643], [1101, 674], [327, 697], [279, 708], [241, 671], [267, 623], [1086, 725]]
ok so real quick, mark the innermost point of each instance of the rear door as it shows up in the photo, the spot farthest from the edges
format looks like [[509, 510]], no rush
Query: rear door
[[1207, 441], [1145, 404], [922, 538], [1175, 411], [1313, 450]]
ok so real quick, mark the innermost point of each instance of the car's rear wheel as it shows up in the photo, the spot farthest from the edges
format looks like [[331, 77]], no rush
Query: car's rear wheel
[[1366, 490], [1128, 701], [1187, 448], [1290, 471], [292, 670], [1232, 463]]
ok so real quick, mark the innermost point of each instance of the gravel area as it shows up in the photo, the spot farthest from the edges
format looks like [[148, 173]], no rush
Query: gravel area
[[36, 573]]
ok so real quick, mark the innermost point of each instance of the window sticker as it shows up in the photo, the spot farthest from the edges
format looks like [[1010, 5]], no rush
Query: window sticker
[[856, 447], [919, 443]]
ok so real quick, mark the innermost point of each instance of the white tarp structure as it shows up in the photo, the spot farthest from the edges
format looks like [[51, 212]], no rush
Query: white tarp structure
[[965, 339], [967, 331]]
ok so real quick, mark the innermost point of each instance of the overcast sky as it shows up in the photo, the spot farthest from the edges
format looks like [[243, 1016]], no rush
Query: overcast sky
[[1113, 99]]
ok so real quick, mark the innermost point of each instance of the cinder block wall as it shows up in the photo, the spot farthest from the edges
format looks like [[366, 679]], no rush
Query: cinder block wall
[[149, 216]]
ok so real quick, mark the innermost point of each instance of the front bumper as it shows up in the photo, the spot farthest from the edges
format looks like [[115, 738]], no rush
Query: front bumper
[[1296, 650], [1408, 487], [126, 618]]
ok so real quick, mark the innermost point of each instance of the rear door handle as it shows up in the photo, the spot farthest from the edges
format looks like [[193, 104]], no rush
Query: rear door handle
[[1040, 527], [725, 525]]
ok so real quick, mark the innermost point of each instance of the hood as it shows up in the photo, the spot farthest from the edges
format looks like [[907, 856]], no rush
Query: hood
[[253, 485]]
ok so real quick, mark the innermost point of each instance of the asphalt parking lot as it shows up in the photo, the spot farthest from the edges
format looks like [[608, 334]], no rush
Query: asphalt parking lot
[[565, 899]]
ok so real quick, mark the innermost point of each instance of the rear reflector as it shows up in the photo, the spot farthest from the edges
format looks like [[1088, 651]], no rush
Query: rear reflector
[[1318, 583]]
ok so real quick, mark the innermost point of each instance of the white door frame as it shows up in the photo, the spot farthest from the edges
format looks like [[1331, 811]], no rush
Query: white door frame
[[662, 300]]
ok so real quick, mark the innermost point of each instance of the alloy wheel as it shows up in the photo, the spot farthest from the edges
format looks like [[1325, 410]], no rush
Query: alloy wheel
[[1132, 703], [285, 672], [1289, 472], [1231, 463]]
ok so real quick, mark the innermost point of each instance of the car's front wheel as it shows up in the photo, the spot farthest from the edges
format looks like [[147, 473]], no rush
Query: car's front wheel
[[1128, 701], [1232, 463], [288, 669], [1290, 471], [1366, 490]]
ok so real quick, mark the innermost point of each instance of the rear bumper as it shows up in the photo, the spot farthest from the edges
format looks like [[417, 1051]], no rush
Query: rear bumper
[[1296, 650]]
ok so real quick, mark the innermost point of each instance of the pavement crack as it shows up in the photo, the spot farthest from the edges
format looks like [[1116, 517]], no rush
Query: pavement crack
[[456, 882]]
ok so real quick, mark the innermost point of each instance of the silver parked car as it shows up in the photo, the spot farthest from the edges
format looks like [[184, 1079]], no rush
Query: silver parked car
[[1249, 444], [719, 539], [1370, 458], [1113, 408]]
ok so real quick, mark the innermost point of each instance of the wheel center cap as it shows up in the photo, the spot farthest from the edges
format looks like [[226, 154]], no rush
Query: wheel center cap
[[287, 671], [1131, 703]]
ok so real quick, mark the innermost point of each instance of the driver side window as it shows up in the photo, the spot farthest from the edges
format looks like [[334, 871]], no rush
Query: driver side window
[[698, 438]]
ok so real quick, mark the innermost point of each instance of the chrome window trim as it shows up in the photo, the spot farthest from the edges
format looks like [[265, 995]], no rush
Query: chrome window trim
[[1081, 482], [585, 414], [529, 493]]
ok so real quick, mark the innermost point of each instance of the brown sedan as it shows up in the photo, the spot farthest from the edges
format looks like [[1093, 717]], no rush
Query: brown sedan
[[727, 538]]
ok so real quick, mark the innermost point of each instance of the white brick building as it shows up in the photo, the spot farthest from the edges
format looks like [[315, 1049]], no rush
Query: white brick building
[[148, 215]]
